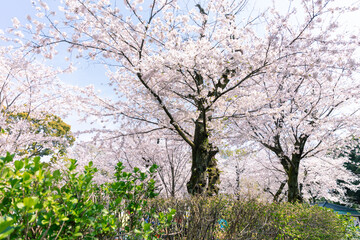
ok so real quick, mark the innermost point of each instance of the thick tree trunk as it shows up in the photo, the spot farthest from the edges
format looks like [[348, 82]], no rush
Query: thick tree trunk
[[294, 194], [204, 167], [213, 177], [290, 165]]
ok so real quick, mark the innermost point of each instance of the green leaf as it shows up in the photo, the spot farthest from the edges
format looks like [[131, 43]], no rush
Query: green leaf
[[19, 165], [146, 226], [73, 165], [30, 202], [26, 176], [20, 205], [33, 218], [6, 227], [44, 221], [64, 218], [37, 163], [172, 211], [153, 168], [9, 158], [4, 234], [56, 174]]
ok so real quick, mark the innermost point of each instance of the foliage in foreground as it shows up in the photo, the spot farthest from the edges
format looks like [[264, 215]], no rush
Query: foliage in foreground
[[36, 203], [228, 218]]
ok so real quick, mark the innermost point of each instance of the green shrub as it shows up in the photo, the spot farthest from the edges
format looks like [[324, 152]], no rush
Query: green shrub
[[301, 221], [36, 203], [227, 218]]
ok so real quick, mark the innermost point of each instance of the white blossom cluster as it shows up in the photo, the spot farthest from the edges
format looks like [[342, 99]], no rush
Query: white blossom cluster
[[29, 89]]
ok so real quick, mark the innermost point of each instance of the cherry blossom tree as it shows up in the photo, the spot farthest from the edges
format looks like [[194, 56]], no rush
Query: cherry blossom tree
[[174, 69], [172, 159], [310, 98], [260, 173], [182, 70], [28, 96]]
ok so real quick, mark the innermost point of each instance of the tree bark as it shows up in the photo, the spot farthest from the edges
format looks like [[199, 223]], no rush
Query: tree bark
[[294, 194], [290, 165], [204, 171], [213, 177]]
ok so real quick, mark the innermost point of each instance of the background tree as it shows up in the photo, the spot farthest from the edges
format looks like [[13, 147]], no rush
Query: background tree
[[29, 91], [351, 153], [172, 157], [255, 171], [310, 98], [47, 125], [172, 160]]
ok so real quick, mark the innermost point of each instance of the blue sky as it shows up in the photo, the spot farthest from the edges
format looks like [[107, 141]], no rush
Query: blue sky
[[20, 9], [87, 73], [14, 8]]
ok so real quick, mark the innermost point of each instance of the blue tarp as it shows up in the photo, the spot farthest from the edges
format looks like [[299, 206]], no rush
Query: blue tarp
[[339, 208]]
